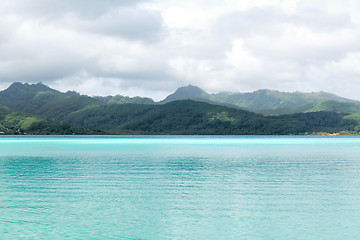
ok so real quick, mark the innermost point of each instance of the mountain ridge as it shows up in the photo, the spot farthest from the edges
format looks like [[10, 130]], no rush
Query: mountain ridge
[[262, 99], [174, 117]]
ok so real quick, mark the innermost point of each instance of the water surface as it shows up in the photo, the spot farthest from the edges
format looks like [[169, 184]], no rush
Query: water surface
[[180, 188]]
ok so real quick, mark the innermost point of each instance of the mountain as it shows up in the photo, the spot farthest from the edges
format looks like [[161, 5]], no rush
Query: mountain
[[47, 110], [271, 99], [41, 100], [255, 101], [188, 92]]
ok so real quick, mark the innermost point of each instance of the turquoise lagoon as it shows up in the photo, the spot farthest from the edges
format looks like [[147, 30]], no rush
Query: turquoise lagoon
[[180, 188]]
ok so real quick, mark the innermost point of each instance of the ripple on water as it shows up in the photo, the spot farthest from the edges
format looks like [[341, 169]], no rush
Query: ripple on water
[[237, 188]]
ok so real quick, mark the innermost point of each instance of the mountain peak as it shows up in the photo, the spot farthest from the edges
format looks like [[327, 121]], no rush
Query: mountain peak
[[261, 99], [189, 88], [189, 91], [36, 87]]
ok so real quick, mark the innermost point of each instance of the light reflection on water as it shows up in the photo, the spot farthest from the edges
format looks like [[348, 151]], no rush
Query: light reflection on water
[[187, 188]]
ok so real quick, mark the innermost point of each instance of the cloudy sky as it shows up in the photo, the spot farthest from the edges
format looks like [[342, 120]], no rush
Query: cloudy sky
[[152, 47]]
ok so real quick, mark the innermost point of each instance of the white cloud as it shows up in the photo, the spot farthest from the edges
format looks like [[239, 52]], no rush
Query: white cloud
[[127, 22], [151, 47], [303, 44], [354, 9], [48, 9], [241, 58]]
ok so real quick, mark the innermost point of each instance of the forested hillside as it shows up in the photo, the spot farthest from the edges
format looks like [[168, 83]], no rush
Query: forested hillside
[[12, 122]]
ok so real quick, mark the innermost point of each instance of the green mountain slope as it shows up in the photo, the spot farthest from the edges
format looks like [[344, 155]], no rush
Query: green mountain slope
[[258, 100], [188, 92], [42, 100], [333, 106], [329, 106]]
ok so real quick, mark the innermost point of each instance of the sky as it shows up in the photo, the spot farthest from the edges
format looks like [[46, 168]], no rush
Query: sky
[[152, 47]]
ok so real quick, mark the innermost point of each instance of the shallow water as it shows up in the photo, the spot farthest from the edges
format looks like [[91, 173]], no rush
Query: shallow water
[[180, 188]]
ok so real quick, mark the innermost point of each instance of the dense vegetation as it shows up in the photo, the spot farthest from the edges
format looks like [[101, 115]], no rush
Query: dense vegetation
[[47, 111], [124, 99], [12, 122], [193, 117], [328, 106], [42, 100]]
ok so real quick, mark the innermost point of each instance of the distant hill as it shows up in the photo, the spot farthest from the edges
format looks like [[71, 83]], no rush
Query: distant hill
[[119, 99], [258, 100], [328, 106]]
